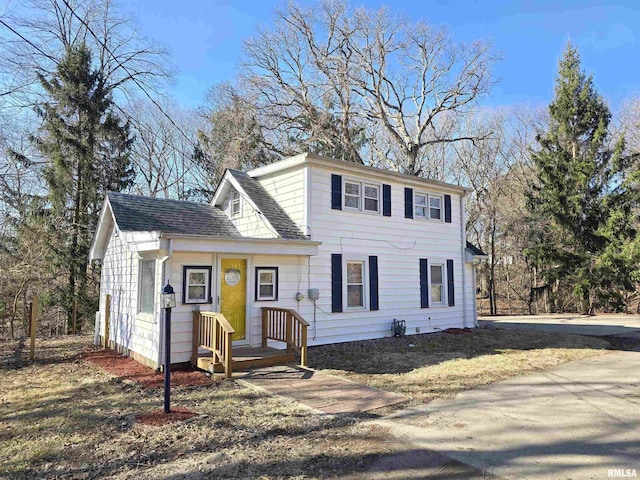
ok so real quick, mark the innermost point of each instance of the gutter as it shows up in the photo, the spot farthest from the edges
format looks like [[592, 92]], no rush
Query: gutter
[[287, 241], [463, 245]]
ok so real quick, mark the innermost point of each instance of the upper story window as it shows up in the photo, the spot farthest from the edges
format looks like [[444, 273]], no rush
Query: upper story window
[[427, 206], [234, 204], [361, 196]]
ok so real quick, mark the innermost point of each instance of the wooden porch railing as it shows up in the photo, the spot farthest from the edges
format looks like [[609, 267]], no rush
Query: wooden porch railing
[[285, 325], [212, 332]]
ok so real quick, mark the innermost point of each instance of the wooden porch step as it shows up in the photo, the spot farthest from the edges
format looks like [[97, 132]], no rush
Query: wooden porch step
[[246, 358]]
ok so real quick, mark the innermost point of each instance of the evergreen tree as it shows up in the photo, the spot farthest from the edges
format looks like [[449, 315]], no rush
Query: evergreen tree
[[582, 203], [86, 148]]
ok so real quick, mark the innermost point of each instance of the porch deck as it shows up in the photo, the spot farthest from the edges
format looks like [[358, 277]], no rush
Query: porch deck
[[246, 358], [212, 332]]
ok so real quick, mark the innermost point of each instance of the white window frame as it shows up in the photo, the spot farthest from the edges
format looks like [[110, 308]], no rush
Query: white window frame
[[140, 286], [274, 272], [186, 299], [440, 198], [427, 206], [365, 286], [443, 286], [361, 196], [345, 195], [235, 200]]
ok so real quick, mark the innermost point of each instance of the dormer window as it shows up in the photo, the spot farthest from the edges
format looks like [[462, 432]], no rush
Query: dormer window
[[234, 205]]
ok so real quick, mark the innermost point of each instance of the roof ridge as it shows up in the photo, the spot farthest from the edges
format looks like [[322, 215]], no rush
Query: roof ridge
[[159, 198]]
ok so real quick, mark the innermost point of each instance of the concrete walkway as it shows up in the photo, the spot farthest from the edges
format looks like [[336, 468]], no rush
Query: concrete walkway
[[627, 326], [575, 421], [322, 392]]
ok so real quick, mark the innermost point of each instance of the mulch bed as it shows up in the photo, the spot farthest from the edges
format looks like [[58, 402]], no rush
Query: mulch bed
[[127, 368], [158, 417]]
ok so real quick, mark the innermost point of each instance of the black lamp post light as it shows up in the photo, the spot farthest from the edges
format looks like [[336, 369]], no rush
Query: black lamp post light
[[168, 302]]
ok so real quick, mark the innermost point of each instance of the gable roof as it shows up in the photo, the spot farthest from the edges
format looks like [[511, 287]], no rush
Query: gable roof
[[137, 213], [270, 209], [475, 251]]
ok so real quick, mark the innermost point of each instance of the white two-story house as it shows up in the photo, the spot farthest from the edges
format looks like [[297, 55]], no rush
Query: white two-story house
[[309, 250]]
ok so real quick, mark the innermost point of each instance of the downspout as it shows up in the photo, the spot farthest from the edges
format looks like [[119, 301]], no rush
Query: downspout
[[463, 244], [165, 275]]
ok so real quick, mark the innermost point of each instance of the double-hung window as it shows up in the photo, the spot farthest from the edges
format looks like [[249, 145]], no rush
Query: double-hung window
[[355, 284], [196, 284], [266, 283], [427, 206], [361, 196], [437, 284], [146, 286], [235, 205], [352, 195]]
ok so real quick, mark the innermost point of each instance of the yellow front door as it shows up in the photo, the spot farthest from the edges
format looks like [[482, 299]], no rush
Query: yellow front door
[[233, 294]]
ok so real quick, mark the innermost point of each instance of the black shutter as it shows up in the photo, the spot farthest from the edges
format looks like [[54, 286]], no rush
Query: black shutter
[[424, 284], [373, 282], [450, 288], [336, 282], [408, 202], [336, 192], [386, 200], [447, 208]]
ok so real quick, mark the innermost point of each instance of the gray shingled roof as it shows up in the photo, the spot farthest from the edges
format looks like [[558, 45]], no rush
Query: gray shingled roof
[[473, 250], [272, 211], [137, 213]]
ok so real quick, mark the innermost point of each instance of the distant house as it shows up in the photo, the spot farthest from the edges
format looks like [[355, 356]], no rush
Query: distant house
[[309, 251]]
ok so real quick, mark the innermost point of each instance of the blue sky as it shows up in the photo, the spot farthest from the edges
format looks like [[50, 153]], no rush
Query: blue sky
[[205, 40]]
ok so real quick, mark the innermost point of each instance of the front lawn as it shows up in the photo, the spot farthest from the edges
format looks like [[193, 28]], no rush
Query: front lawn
[[438, 365], [64, 417]]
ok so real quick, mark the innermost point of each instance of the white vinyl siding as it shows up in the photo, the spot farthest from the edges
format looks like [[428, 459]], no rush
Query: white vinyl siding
[[288, 189], [119, 278], [399, 243]]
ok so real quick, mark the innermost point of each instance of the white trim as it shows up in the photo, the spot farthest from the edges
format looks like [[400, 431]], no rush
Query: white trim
[[233, 201], [427, 206], [443, 289], [246, 246], [346, 259], [274, 273], [207, 284], [362, 185], [142, 314]]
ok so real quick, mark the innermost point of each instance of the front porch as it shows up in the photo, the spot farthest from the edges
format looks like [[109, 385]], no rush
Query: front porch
[[212, 332]]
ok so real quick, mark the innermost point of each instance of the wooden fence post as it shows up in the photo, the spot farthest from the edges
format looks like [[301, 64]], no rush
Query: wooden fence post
[[32, 326], [107, 314], [75, 312]]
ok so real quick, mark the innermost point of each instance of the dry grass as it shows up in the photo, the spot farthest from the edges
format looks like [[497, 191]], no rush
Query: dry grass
[[430, 366], [65, 418]]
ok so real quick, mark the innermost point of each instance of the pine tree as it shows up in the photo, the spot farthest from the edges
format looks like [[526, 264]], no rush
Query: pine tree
[[582, 201], [86, 148]]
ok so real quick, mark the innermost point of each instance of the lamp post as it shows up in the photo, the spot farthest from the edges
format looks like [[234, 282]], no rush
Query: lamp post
[[168, 301]]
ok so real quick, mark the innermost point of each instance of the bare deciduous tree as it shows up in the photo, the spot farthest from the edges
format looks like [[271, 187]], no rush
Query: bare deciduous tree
[[362, 85]]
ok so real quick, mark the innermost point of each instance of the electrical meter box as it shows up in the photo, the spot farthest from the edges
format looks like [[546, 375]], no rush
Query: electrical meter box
[[314, 294]]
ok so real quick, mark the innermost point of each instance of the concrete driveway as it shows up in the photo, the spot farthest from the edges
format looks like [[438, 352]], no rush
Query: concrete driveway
[[627, 326], [575, 421]]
